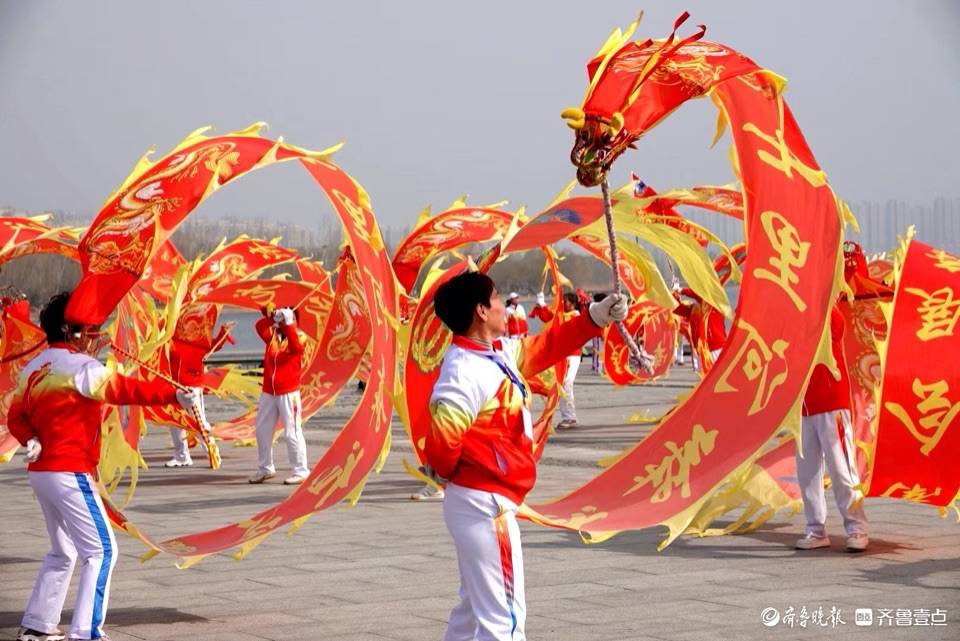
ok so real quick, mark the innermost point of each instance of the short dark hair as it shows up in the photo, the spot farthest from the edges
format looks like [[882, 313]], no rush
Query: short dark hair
[[52, 320], [456, 300]]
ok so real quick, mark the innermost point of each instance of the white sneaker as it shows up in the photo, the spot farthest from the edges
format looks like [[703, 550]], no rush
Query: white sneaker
[[296, 479], [260, 477], [428, 493], [26, 634], [811, 542], [175, 462], [857, 542]]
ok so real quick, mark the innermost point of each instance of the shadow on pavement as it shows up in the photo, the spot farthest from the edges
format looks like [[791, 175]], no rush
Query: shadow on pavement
[[116, 617], [910, 574], [769, 541]]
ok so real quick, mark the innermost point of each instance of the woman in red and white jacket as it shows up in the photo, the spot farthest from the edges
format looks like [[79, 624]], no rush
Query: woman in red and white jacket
[[187, 354], [481, 442], [56, 413], [280, 399]]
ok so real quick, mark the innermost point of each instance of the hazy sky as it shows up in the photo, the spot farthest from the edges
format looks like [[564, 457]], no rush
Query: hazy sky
[[434, 99]]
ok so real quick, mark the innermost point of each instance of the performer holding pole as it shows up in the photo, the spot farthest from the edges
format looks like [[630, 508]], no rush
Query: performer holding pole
[[480, 440], [280, 399], [56, 413], [187, 352]]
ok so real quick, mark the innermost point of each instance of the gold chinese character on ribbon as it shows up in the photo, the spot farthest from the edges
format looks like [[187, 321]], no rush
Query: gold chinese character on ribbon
[[936, 413], [916, 493], [754, 360], [587, 515], [370, 236], [674, 470], [791, 254], [260, 525], [337, 477], [945, 261], [939, 312], [783, 158]]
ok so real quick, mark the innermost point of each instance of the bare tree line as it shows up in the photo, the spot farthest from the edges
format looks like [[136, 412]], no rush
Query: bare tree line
[[41, 276]]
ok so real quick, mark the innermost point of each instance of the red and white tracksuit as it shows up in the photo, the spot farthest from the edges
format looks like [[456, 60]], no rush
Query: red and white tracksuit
[[826, 434], [186, 367], [481, 440], [516, 321], [568, 407], [60, 401], [280, 400]]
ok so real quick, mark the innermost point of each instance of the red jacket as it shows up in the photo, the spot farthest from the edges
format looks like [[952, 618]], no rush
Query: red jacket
[[546, 315], [516, 321], [702, 316], [282, 365], [60, 401], [186, 358], [481, 433], [824, 392]]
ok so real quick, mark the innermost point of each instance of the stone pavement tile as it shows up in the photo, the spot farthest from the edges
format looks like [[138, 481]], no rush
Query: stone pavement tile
[[826, 595], [316, 634], [428, 630], [539, 627], [371, 622], [582, 589]]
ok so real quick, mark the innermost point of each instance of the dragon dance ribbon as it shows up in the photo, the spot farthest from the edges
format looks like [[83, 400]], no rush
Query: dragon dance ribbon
[[142, 214], [918, 431], [793, 262]]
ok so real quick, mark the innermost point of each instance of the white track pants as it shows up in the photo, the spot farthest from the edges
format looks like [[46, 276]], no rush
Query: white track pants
[[820, 440], [181, 449], [485, 532], [285, 409], [568, 408], [79, 530]]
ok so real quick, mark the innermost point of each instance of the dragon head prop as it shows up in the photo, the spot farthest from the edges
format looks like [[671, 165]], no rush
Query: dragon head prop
[[634, 85]]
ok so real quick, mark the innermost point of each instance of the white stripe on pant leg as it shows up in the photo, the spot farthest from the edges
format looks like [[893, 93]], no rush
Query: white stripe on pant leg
[[264, 426], [45, 606], [471, 517], [810, 476], [290, 416], [843, 474]]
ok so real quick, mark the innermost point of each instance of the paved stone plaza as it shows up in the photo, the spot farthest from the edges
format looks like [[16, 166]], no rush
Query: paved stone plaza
[[385, 570]]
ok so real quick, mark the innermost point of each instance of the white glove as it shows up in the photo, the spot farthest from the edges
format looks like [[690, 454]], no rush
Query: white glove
[[541, 300], [33, 450], [189, 399], [611, 309], [284, 316]]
